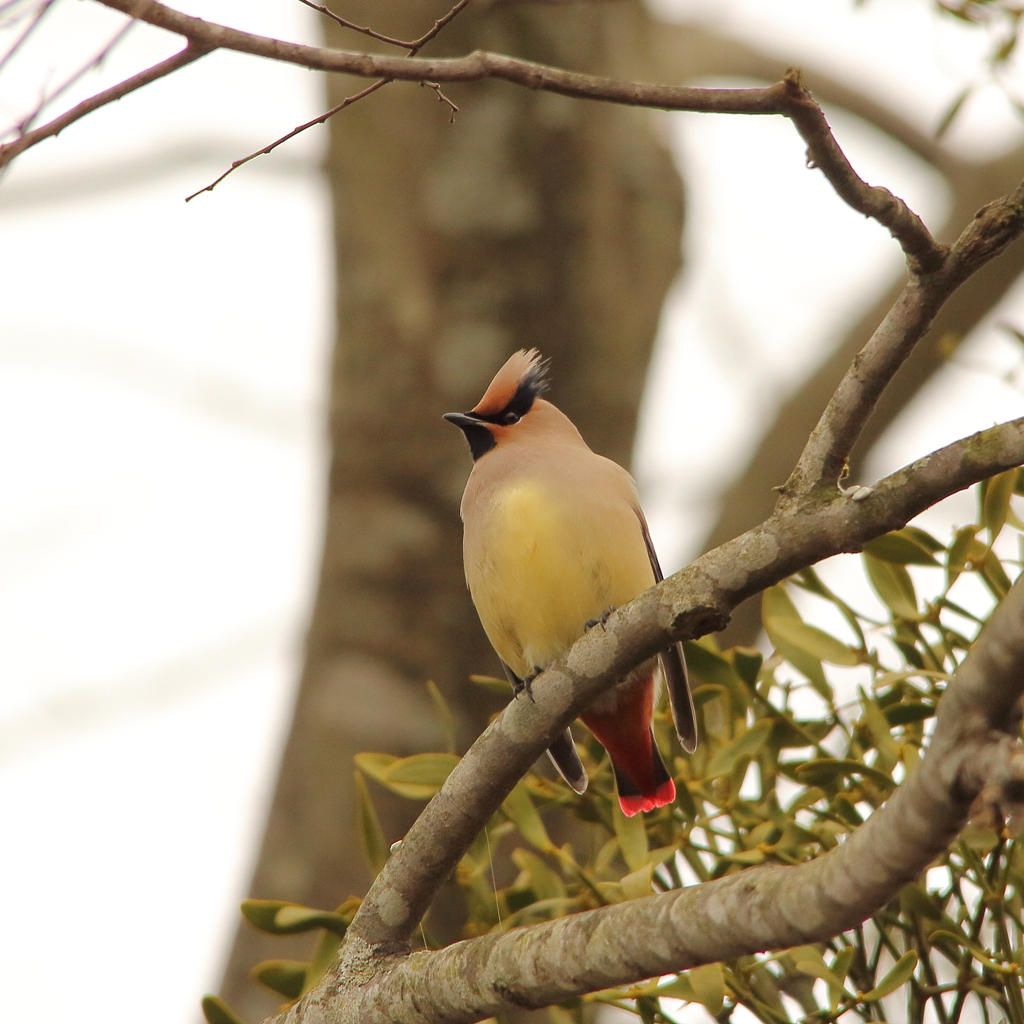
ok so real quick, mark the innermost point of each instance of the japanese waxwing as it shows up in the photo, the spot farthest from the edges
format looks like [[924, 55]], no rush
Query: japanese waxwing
[[554, 540]]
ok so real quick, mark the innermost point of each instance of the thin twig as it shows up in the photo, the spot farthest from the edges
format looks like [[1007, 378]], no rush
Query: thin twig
[[412, 47], [29, 29], [192, 52], [344, 23], [25, 123], [788, 98], [347, 102], [824, 456], [442, 98]]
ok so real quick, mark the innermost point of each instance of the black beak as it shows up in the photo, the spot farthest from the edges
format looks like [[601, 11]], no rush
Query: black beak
[[462, 420]]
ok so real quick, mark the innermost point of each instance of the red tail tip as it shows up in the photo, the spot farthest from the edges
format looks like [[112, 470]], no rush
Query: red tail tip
[[664, 794]]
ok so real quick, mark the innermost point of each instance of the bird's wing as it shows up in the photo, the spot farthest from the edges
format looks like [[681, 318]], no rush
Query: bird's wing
[[673, 664], [563, 751]]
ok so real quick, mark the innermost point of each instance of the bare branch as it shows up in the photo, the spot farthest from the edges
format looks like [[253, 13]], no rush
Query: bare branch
[[924, 254], [29, 29], [823, 459], [344, 23], [193, 51], [413, 48], [788, 98], [94, 62], [347, 102]]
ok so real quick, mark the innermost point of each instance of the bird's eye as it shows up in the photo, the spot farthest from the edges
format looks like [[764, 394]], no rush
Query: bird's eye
[[510, 417]]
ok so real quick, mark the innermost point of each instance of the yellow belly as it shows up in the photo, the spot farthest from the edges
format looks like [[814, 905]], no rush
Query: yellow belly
[[543, 565]]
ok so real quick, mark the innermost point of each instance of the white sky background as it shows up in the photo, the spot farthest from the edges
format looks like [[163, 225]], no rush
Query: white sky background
[[161, 393]]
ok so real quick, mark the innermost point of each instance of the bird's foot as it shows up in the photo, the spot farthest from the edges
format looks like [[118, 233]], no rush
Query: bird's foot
[[602, 621], [521, 685]]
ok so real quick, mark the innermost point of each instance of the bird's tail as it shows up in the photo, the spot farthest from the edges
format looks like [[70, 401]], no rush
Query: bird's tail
[[641, 778], [656, 790]]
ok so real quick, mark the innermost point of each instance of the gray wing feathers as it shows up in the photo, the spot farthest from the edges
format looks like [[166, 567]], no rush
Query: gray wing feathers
[[673, 664], [562, 752]]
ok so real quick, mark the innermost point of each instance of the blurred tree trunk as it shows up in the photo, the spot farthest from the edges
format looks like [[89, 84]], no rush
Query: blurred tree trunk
[[532, 221]]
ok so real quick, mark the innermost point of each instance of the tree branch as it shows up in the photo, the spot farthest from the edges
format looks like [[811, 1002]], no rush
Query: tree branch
[[787, 98], [193, 51], [823, 460], [754, 910]]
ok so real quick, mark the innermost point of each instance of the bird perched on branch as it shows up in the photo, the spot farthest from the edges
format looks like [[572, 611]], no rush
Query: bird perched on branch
[[554, 541]]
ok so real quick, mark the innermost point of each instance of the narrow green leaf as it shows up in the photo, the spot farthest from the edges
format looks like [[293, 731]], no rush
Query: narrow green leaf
[[279, 918], [545, 882], [925, 539], [632, 837], [900, 973], [679, 988], [956, 559], [418, 777], [375, 848], [492, 683], [776, 603], [709, 986], [814, 641], [444, 716], [900, 547], [285, 977], [747, 744], [826, 770], [216, 1011], [908, 712], [952, 110], [893, 585], [817, 969], [994, 575], [519, 809], [995, 501], [375, 765]]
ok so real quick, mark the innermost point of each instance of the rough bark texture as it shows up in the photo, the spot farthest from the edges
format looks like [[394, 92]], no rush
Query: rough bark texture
[[532, 221]]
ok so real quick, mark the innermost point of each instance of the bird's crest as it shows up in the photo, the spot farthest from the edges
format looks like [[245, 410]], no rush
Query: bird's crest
[[515, 386]]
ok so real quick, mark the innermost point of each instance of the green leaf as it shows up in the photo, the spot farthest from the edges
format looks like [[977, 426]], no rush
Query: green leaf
[[995, 501], [959, 550], [279, 918], [826, 770], [519, 809], [375, 765], [952, 110], [375, 847], [814, 641], [492, 683], [900, 973], [776, 603], [747, 663], [545, 883], [901, 547], [817, 969], [216, 1011], [632, 837], [418, 777], [679, 988], [907, 712], [745, 745], [709, 986], [444, 716], [286, 977], [893, 585], [708, 667], [994, 575]]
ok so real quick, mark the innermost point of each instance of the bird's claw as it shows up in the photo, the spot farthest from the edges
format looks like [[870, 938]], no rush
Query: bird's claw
[[527, 684], [602, 621]]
